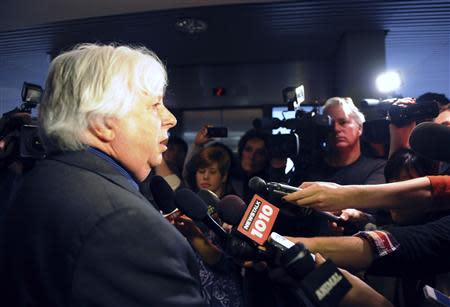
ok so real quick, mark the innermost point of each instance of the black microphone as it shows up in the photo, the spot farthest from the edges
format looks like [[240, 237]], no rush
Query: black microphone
[[324, 285], [195, 208], [258, 185], [210, 198], [163, 195], [231, 209], [429, 140]]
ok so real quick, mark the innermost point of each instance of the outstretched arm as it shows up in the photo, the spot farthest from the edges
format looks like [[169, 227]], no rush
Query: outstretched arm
[[327, 196]]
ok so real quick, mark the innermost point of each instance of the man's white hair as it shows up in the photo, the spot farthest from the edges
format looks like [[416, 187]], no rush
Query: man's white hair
[[95, 80], [348, 106]]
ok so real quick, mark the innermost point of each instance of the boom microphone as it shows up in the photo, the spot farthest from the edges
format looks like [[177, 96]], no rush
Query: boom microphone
[[195, 208], [430, 141]]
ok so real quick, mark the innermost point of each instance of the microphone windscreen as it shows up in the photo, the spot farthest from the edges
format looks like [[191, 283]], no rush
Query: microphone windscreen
[[431, 140], [210, 198], [191, 204], [162, 194], [231, 209], [257, 185]]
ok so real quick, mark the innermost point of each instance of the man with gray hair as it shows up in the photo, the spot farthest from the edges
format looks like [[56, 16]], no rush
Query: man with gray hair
[[79, 232], [344, 164]]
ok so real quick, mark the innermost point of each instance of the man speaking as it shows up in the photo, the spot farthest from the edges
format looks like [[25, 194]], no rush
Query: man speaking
[[78, 232]]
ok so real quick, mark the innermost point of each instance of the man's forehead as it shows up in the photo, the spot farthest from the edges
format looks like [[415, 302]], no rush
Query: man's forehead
[[338, 111]]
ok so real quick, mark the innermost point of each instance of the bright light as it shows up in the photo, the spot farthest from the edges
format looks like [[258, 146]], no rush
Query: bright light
[[388, 82]]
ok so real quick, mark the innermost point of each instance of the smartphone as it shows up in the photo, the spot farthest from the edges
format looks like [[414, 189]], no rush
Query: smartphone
[[436, 296], [217, 132]]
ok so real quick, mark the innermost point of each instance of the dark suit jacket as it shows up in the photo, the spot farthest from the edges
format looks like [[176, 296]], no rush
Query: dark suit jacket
[[78, 234]]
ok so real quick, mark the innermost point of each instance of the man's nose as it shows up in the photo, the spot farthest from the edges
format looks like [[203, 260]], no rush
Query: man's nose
[[168, 119], [337, 127]]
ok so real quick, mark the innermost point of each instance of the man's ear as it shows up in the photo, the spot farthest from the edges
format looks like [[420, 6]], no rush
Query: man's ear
[[103, 127], [360, 131]]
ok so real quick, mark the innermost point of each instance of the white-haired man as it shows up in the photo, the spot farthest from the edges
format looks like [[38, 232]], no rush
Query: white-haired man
[[79, 233], [345, 163]]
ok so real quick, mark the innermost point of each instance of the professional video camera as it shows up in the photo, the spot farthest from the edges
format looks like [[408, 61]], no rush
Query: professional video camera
[[307, 141], [19, 131], [394, 111]]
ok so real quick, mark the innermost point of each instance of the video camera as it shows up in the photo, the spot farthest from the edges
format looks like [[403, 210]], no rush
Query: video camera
[[307, 142], [393, 111], [19, 131]]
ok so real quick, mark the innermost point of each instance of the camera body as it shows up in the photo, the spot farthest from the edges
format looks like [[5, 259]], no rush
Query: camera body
[[308, 140], [18, 130]]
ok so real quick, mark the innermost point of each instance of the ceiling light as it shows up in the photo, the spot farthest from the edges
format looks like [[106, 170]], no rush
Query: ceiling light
[[191, 25], [388, 82]]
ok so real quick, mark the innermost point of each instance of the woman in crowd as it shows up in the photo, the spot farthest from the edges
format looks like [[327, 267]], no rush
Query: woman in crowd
[[209, 169]]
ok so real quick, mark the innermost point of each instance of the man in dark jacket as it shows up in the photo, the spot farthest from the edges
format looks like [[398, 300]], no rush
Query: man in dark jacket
[[78, 232]]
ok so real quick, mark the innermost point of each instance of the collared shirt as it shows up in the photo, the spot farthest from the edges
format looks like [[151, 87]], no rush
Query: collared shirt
[[115, 164], [382, 242]]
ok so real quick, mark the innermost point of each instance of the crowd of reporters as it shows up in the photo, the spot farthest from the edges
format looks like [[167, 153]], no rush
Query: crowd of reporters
[[399, 228]]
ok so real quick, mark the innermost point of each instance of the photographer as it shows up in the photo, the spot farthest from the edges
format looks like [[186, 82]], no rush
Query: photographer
[[345, 164]]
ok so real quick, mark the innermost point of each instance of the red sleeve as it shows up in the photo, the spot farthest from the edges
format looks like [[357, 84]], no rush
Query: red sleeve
[[440, 189]]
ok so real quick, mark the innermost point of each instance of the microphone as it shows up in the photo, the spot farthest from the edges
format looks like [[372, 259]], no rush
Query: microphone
[[195, 208], [429, 139], [163, 195], [324, 285], [210, 198], [258, 185], [231, 209]]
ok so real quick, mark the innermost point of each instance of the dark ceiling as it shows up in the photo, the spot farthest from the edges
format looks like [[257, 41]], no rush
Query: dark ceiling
[[417, 35], [246, 33]]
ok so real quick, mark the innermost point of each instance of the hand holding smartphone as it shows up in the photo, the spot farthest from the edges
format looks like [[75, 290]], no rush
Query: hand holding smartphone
[[217, 132]]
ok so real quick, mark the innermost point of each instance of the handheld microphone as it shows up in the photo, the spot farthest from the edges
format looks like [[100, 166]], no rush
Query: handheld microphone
[[429, 139], [231, 209], [258, 185], [324, 285], [163, 195], [210, 198], [195, 208]]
